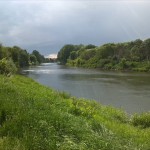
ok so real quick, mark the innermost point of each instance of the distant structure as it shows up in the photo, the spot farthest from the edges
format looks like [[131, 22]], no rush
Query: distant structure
[[51, 58]]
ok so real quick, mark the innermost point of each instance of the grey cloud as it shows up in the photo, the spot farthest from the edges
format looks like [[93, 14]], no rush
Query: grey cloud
[[48, 25]]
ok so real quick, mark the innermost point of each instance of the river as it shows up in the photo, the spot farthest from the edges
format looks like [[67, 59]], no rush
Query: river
[[128, 91]]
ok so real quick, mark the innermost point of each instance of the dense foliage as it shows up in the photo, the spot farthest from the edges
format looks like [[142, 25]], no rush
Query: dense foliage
[[13, 58], [134, 55], [66, 52], [7, 67], [34, 117]]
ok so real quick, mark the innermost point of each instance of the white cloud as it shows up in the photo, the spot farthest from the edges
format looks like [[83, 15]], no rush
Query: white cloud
[[53, 56]]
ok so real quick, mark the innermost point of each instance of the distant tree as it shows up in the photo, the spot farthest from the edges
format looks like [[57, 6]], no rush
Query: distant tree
[[64, 53], [40, 58], [134, 48], [33, 59], [73, 55], [18, 57], [86, 55], [5, 52], [14, 53], [135, 53], [146, 48], [128, 55], [1, 54], [90, 46], [120, 51], [137, 42], [23, 58], [105, 51]]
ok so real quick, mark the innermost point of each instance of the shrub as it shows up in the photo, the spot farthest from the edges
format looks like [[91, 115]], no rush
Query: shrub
[[108, 66], [7, 67], [2, 117], [142, 120], [102, 62]]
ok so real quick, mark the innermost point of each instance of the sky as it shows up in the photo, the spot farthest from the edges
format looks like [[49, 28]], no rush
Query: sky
[[47, 25]]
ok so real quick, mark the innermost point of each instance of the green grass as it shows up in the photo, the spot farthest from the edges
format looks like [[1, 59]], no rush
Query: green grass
[[35, 117]]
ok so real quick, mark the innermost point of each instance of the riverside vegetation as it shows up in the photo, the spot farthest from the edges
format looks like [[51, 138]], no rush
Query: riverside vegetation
[[134, 56], [35, 117], [14, 58]]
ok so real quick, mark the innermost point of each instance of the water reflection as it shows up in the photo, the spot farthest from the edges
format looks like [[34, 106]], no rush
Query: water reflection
[[129, 91]]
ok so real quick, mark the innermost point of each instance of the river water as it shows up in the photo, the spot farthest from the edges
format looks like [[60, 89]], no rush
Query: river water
[[128, 91]]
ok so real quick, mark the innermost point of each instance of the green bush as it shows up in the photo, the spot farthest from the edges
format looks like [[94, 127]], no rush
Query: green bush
[[108, 66], [7, 67], [142, 120], [102, 63], [2, 117]]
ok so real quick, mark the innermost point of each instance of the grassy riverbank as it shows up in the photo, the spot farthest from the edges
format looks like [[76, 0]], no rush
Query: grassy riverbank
[[34, 117]]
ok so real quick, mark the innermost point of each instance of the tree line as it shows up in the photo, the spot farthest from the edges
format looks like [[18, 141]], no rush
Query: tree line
[[134, 55], [13, 58]]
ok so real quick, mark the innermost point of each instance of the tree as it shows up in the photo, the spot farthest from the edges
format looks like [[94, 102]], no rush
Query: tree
[[86, 55], [40, 58], [64, 53], [105, 51], [23, 58], [7, 67], [1, 54], [146, 49], [135, 50], [14, 54], [33, 59], [90, 46], [73, 55]]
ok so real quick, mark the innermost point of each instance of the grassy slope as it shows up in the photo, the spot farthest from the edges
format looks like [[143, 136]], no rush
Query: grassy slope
[[34, 117]]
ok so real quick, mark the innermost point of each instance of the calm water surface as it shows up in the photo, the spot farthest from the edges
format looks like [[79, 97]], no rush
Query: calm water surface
[[129, 91]]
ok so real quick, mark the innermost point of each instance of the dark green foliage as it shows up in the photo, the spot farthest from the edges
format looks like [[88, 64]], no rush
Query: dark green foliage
[[14, 54], [64, 53], [105, 51], [23, 58], [1, 53], [40, 58], [33, 59], [13, 58], [19, 56], [146, 49], [86, 55], [2, 117], [142, 120], [73, 55], [7, 67], [90, 46], [132, 55]]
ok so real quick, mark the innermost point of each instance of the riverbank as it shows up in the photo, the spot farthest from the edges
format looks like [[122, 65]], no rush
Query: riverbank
[[131, 56], [33, 116]]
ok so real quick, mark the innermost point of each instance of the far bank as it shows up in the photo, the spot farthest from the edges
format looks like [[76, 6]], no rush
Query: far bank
[[132, 56]]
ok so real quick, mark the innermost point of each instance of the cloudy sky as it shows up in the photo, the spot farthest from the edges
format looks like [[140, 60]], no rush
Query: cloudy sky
[[47, 25]]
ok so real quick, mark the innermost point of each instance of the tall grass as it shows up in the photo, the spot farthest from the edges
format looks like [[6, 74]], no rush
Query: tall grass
[[35, 117]]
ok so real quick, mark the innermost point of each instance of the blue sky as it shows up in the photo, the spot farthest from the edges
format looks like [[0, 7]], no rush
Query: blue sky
[[47, 25]]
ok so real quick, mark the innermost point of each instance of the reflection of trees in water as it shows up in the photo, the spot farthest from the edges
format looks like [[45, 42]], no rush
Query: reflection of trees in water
[[31, 74], [135, 80]]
